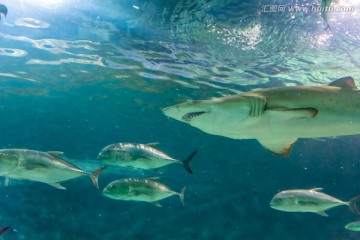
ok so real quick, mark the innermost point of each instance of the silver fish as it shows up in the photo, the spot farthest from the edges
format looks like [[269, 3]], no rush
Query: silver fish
[[353, 226], [140, 190], [142, 156], [39, 166], [309, 201]]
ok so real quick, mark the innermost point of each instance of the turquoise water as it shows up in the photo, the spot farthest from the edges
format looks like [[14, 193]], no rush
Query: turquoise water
[[78, 75]]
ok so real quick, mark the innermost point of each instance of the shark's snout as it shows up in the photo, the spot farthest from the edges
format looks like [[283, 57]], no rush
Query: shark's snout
[[188, 111]]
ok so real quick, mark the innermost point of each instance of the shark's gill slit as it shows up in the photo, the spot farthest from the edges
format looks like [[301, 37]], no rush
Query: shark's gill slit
[[188, 116]]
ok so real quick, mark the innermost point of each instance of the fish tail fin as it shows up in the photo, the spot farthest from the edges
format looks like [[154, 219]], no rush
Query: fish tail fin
[[181, 195], [327, 27], [352, 205], [186, 162], [95, 177]]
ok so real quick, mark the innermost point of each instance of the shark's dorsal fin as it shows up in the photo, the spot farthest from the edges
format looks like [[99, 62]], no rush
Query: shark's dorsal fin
[[316, 189], [345, 83], [281, 147]]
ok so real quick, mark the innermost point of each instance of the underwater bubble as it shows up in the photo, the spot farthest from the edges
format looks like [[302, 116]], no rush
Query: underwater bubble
[[12, 52]]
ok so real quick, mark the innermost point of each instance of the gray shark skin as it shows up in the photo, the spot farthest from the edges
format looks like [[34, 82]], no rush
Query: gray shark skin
[[49, 168], [277, 117]]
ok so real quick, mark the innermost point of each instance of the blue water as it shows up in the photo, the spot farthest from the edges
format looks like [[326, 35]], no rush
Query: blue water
[[78, 75]]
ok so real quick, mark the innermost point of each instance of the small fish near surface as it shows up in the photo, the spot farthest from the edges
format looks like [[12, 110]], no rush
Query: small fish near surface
[[325, 8], [46, 167], [277, 117], [353, 226], [3, 10], [311, 200], [143, 156], [140, 190]]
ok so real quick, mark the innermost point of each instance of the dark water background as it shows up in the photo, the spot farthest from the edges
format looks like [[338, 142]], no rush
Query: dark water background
[[78, 75]]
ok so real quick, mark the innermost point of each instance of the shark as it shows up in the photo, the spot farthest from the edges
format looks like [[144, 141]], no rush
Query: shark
[[278, 116]]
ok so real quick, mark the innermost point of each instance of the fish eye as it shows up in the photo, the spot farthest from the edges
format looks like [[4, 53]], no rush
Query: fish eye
[[106, 151]]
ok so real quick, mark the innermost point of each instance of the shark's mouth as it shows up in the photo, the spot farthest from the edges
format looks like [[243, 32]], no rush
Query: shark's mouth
[[190, 115]]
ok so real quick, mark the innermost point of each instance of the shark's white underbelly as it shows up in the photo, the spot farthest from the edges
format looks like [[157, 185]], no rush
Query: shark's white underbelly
[[269, 126]]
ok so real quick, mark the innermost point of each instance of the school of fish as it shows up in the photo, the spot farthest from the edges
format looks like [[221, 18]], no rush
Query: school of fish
[[279, 107], [266, 115], [52, 169]]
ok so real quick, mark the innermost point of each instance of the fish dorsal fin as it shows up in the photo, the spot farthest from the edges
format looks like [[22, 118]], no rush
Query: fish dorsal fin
[[153, 144], [316, 189], [153, 178], [345, 83], [322, 213], [55, 153], [280, 147]]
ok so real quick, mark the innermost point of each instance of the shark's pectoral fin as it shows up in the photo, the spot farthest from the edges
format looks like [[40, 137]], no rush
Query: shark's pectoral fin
[[345, 83], [292, 113], [281, 147]]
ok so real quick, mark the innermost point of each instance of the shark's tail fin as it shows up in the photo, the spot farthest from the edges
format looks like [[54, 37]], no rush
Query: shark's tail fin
[[186, 162], [352, 205]]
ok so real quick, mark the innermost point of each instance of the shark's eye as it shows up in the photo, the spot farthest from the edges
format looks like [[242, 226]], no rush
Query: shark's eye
[[188, 116]]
